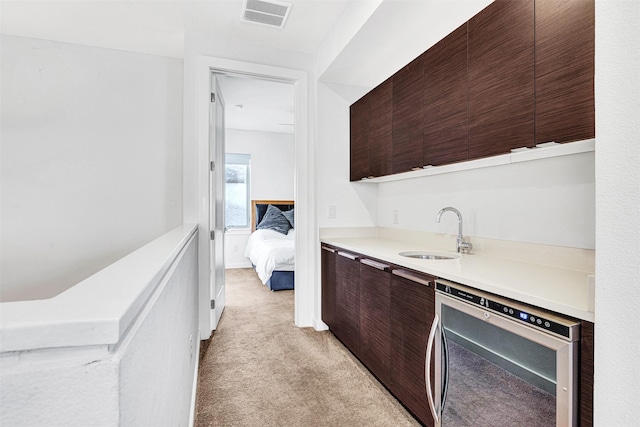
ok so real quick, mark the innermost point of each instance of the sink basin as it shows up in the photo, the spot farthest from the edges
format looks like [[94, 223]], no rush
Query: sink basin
[[426, 255]]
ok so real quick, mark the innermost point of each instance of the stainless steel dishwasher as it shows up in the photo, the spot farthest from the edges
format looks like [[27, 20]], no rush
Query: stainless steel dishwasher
[[499, 362]]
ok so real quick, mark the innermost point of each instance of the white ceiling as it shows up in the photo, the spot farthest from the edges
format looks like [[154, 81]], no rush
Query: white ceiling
[[158, 28], [258, 105]]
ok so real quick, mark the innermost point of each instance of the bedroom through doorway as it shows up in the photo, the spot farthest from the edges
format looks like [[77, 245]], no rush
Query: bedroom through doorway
[[259, 157]]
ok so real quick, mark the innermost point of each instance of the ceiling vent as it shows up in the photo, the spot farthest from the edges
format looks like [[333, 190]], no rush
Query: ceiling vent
[[266, 12]]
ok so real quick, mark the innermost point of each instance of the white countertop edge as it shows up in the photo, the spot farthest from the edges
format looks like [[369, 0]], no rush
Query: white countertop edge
[[439, 269], [100, 309]]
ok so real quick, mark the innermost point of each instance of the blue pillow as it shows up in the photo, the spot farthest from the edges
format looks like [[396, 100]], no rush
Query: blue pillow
[[289, 216], [274, 220]]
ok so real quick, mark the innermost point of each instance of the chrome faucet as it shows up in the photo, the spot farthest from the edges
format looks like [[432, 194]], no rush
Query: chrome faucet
[[461, 245]]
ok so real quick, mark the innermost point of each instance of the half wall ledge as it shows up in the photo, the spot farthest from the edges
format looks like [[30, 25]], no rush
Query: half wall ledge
[[99, 310]]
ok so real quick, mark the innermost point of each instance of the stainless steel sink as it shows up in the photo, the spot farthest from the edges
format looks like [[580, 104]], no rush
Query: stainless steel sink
[[426, 255]]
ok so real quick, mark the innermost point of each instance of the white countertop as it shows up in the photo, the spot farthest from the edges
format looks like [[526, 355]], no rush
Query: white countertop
[[563, 291]]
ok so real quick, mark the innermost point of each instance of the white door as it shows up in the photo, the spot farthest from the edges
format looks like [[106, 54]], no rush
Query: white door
[[216, 201]]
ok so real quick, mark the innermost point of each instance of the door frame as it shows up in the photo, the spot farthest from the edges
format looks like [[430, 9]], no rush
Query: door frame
[[304, 188]]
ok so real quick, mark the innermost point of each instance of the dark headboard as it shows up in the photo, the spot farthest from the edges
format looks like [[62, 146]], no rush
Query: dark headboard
[[259, 207]]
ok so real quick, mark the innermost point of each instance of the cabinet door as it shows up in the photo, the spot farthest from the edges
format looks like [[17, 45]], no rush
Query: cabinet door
[[347, 315], [408, 96], [501, 78], [412, 313], [328, 283], [565, 43], [380, 129], [374, 318], [359, 148], [446, 98], [586, 373]]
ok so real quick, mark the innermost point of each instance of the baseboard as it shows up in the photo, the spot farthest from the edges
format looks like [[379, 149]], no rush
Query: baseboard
[[319, 325], [192, 414], [231, 265]]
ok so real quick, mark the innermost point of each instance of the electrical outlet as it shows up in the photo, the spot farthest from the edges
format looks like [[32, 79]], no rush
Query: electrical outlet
[[332, 211], [396, 217], [191, 344]]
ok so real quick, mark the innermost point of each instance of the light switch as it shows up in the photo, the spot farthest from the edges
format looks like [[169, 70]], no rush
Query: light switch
[[396, 217], [332, 211]]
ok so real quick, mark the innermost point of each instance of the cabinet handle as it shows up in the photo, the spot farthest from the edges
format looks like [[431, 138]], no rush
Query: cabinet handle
[[375, 264], [328, 249], [412, 277], [348, 255], [427, 366]]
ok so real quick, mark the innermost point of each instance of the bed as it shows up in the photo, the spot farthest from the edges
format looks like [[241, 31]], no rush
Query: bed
[[271, 246]]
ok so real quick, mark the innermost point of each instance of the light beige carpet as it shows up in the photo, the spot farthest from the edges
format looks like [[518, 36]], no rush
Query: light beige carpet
[[259, 369]]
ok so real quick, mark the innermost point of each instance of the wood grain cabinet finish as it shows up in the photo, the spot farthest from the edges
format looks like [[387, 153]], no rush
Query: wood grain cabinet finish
[[380, 129], [328, 284], [501, 78], [359, 142], [446, 88], [517, 74], [412, 313], [408, 99], [347, 314], [564, 95], [586, 373], [375, 288], [385, 319]]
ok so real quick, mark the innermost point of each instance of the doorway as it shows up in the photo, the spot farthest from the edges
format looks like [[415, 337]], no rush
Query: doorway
[[259, 156], [306, 303]]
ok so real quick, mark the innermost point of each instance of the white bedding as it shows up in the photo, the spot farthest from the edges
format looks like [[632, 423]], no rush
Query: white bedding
[[269, 250]]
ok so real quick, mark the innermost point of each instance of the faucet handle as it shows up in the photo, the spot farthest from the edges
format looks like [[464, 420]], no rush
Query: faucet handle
[[464, 246]]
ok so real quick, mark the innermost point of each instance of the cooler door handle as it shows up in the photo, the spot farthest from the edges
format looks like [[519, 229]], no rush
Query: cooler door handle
[[427, 366]]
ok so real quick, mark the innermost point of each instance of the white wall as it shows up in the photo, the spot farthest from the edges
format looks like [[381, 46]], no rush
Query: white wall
[[272, 161], [91, 160], [158, 359], [617, 336], [548, 201], [355, 204], [272, 178]]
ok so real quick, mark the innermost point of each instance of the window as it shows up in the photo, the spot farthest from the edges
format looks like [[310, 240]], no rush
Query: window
[[237, 204]]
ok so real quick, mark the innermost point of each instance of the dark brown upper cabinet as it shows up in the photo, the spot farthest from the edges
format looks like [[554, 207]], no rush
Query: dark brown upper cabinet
[[359, 129], [446, 89], [408, 96], [380, 127], [501, 78], [517, 74], [565, 43]]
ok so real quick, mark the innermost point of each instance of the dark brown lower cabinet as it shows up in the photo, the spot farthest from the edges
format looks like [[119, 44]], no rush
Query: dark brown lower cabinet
[[383, 314], [412, 313], [375, 282], [328, 265], [347, 308], [586, 373]]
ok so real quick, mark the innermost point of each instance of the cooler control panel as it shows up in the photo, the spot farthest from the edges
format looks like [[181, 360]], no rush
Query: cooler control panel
[[531, 316]]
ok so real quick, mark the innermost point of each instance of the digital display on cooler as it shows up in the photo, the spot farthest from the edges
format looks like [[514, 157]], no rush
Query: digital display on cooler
[[524, 316]]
